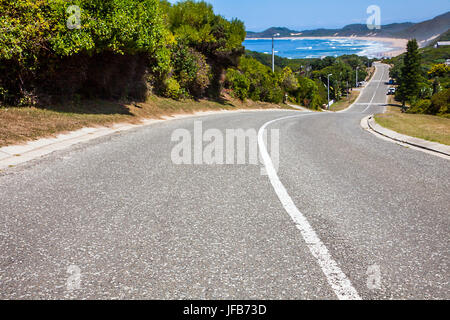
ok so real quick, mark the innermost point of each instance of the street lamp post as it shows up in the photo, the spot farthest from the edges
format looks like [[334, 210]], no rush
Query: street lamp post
[[273, 51], [328, 77], [357, 76]]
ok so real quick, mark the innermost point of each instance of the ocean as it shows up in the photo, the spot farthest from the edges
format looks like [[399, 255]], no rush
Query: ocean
[[318, 48]]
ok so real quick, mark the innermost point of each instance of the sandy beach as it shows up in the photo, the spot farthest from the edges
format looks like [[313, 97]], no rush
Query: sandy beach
[[398, 45]]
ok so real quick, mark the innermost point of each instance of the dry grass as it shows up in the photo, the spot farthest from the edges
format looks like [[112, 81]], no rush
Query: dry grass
[[21, 124], [345, 102], [432, 128]]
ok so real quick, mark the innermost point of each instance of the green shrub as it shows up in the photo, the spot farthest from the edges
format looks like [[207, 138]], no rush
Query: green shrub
[[39, 54], [238, 82], [195, 25], [308, 94], [172, 89], [264, 85], [420, 106], [191, 70], [440, 103], [288, 81]]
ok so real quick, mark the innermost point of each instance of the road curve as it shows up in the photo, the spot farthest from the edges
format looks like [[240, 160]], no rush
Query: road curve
[[137, 225]]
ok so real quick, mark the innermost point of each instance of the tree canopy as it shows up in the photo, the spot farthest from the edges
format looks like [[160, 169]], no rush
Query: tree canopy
[[410, 74]]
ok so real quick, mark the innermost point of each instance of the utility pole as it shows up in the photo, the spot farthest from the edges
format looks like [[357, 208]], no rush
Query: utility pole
[[273, 51], [328, 77]]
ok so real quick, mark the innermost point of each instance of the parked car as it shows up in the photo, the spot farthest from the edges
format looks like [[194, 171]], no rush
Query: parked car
[[391, 91], [391, 81]]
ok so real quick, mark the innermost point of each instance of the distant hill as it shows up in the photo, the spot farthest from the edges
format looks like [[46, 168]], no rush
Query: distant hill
[[284, 32], [443, 37], [428, 30], [424, 32]]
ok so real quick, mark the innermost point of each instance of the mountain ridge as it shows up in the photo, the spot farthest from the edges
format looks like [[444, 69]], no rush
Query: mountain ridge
[[425, 32]]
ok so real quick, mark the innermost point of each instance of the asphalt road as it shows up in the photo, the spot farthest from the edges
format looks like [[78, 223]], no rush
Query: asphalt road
[[137, 225]]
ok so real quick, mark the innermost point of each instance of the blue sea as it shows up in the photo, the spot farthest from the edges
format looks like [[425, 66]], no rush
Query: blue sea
[[317, 48]]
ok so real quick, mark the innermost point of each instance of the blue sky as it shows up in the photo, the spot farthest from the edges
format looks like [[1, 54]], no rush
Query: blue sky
[[305, 14]]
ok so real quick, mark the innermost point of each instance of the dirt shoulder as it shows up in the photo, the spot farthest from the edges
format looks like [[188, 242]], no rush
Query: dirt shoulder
[[22, 124]]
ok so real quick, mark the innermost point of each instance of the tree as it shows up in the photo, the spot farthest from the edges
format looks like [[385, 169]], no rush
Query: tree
[[195, 25], [108, 51], [255, 81], [410, 75], [288, 81], [307, 93], [439, 70]]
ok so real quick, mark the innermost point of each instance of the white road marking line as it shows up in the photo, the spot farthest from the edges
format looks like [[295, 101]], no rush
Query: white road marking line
[[360, 94], [338, 281], [373, 104], [374, 94]]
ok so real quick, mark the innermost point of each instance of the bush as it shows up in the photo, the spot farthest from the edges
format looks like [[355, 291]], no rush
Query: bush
[[420, 107], [439, 70], [40, 54], [307, 93], [440, 103], [288, 81], [195, 25], [191, 70], [238, 82], [172, 89], [264, 84]]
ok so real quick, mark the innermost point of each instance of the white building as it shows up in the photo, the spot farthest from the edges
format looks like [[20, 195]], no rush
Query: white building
[[442, 44]]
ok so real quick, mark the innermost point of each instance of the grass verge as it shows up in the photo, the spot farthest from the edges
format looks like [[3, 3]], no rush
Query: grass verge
[[345, 102], [21, 124], [428, 127]]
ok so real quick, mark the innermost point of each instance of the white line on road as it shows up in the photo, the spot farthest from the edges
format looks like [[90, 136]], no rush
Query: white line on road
[[374, 94], [360, 94], [339, 282], [373, 104]]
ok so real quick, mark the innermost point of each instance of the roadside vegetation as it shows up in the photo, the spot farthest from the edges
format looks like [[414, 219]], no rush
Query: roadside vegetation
[[423, 79], [64, 65], [21, 124], [57, 51], [423, 91], [305, 80], [422, 126], [345, 102], [52, 51]]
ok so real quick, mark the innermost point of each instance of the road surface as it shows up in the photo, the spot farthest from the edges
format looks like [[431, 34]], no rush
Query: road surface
[[117, 218]]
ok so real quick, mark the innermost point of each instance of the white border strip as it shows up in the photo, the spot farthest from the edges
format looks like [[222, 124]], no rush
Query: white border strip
[[339, 282]]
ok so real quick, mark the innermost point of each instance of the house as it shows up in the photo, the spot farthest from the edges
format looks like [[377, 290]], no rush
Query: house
[[442, 44]]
